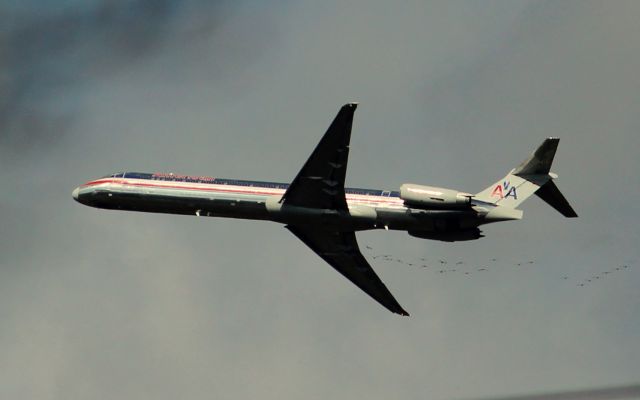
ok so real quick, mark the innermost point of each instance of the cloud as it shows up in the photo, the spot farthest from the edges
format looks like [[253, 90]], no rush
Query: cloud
[[52, 55]]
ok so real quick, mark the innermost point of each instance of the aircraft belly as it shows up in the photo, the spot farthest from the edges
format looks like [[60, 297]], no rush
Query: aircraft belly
[[180, 202], [361, 217], [424, 220], [356, 218]]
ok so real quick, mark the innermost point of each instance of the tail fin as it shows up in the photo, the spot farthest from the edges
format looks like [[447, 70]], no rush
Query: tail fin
[[532, 176]]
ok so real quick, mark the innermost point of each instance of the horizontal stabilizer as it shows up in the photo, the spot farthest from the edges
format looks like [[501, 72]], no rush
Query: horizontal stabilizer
[[550, 193]]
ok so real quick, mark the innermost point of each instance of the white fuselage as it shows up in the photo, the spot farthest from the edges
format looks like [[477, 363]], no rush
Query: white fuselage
[[202, 196]]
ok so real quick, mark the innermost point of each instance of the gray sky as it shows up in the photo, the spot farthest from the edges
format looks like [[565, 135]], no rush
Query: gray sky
[[97, 304]]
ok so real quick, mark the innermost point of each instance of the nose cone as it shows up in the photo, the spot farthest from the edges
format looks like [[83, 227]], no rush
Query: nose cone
[[75, 194]]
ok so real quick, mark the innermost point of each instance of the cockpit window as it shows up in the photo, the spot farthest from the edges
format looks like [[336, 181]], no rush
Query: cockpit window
[[137, 175]]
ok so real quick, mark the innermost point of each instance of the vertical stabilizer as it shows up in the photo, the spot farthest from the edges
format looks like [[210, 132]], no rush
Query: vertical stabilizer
[[532, 176], [512, 190], [539, 163]]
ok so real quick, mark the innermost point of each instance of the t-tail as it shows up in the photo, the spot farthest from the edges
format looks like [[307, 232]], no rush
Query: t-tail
[[532, 176]]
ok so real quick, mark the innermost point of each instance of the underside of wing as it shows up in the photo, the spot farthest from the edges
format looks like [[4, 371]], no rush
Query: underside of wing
[[340, 250], [320, 182]]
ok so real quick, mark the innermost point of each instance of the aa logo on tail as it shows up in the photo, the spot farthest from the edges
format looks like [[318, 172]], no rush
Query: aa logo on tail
[[505, 190]]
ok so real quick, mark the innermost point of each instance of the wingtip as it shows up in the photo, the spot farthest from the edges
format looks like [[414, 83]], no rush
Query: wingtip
[[403, 313]]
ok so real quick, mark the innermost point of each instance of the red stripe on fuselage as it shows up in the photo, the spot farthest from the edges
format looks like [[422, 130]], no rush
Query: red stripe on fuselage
[[123, 181]]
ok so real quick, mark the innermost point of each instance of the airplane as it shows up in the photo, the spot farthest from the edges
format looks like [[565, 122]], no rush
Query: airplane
[[318, 209]]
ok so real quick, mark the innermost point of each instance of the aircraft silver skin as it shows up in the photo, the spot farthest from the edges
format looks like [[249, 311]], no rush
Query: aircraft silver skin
[[320, 211]]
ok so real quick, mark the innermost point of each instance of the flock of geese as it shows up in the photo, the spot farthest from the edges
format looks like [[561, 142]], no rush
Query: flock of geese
[[601, 275], [442, 266]]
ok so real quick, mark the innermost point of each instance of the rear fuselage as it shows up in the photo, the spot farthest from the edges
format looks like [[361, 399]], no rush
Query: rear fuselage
[[215, 197]]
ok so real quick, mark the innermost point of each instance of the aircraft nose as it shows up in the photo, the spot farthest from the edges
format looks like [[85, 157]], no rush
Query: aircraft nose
[[75, 193]]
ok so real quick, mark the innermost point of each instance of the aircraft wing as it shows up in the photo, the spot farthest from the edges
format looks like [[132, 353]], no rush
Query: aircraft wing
[[320, 182], [340, 250]]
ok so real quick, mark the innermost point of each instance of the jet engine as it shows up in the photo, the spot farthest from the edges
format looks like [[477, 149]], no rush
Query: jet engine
[[420, 196]]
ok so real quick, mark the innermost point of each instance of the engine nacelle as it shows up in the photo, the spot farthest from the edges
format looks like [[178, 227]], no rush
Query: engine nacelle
[[433, 197]]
